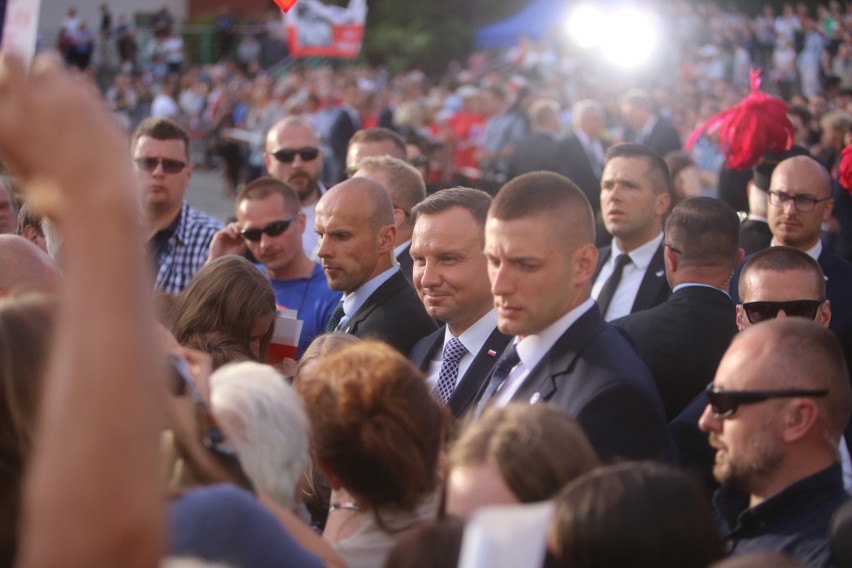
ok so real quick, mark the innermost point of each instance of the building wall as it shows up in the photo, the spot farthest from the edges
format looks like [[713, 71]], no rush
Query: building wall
[[53, 11]]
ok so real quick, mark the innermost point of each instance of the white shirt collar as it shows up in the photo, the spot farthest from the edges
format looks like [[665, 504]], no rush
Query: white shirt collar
[[474, 337], [533, 348], [812, 252], [353, 302], [640, 256], [753, 217]]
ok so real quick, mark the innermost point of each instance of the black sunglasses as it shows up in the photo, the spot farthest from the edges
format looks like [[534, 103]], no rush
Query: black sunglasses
[[725, 402], [286, 156], [169, 166], [273, 229], [757, 312]]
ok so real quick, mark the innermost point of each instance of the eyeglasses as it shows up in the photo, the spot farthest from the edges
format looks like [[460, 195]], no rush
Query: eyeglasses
[[757, 312], [418, 161], [169, 166], [674, 250], [724, 403], [286, 156], [803, 203], [273, 229]]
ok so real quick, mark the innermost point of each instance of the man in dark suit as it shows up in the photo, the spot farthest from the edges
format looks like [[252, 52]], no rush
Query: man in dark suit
[[354, 222], [636, 190], [345, 124], [683, 339], [541, 257], [799, 202], [646, 127], [582, 152], [451, 277], [406, 189]]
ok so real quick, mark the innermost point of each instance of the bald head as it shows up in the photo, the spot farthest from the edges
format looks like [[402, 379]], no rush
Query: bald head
[[364, 195], [799, 202], [814, 176], [26, 268]]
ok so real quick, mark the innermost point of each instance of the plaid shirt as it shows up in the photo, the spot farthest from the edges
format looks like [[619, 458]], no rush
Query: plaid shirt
[[187, 250]]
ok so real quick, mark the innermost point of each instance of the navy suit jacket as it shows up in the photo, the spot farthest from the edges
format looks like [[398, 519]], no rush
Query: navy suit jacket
[[663, 138], [469, 384], [654, 288], [682, 341], [394, 314], [594, 374], [406, 264], [575, 166]]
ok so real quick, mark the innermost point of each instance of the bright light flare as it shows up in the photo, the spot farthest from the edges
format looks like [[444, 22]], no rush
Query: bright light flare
[[586, 25], [630, 39]]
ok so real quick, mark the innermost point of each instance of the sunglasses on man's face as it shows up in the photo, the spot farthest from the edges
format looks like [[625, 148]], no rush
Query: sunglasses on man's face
[[286, 156], [273, 229], [757, 312], [724, 403], [169, 166]]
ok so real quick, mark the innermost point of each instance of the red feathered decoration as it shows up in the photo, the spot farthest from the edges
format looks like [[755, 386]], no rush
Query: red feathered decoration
[[757, 124], [844, 171]]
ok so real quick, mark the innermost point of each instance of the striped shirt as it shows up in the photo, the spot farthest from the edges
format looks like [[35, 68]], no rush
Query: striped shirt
[[186, 251]]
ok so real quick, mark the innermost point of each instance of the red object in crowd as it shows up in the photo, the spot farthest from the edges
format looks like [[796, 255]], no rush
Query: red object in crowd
[[844, 171], [748, 130], [285, 5]]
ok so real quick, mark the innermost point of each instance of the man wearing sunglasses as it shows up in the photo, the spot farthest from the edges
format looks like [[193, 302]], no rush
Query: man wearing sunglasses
[[270, 225], [178, 235], [799, 202], [294, 156], [776, 411]]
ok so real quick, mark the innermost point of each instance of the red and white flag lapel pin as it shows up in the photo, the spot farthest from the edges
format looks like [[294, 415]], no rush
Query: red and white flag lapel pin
[[285, 5], [492, 352]]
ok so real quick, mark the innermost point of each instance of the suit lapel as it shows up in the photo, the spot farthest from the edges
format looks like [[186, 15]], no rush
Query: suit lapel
[[653, 283], [391, 287], [605, 252], [560, 359], [425, 349], [479, 369]]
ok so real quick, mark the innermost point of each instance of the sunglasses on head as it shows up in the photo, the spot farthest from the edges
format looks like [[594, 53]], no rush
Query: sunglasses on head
[[757, 312], [287, 156], [725, 402], [169, 166], [273, 229]]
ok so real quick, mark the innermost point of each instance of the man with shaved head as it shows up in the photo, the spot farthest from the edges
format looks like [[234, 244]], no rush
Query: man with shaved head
[[799, 202], [294, 155], [355, 225], [539, 243], [26, 268]]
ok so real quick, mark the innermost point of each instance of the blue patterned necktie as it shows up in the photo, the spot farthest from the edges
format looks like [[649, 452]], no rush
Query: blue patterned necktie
[[453, 352], [336, 316]]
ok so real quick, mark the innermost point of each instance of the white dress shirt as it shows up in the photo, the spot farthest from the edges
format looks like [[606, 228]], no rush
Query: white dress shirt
[[533, 348], [473, 339], [631, 277]]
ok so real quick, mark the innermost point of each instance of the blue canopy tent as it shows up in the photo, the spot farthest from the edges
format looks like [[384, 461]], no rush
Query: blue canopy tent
[[534, 21]]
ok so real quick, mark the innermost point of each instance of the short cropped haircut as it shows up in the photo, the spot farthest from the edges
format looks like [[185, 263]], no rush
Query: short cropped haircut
[[637, 97], [474, 201], [837, 120], [706, 231], [582, 107], [379, 134], [262, 188], [542, 111], [537, 449], [265, 422], [546, 193], [678, 161], [408, 188], [808, 355], [161, 129], [658, 170], [783, 259]]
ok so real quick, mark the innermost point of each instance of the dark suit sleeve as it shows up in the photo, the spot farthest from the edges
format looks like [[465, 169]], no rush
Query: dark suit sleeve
[[621, 423]]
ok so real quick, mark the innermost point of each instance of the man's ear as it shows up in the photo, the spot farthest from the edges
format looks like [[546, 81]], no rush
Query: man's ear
[[385, 238], [586, 259], [741, 317], [800, 418]]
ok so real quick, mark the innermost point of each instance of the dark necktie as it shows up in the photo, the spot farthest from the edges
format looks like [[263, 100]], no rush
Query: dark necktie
[[501, 372], [608, 290], [336, 316], [453, 352]]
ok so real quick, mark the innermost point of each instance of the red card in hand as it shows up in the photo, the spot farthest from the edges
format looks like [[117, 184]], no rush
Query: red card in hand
[[285, 4]]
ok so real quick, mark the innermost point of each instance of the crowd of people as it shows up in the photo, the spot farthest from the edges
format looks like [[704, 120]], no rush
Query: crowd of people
[[528, 334]]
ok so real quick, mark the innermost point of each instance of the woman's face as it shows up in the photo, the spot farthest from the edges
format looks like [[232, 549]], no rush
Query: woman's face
[[473, 487], [258, 330]]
